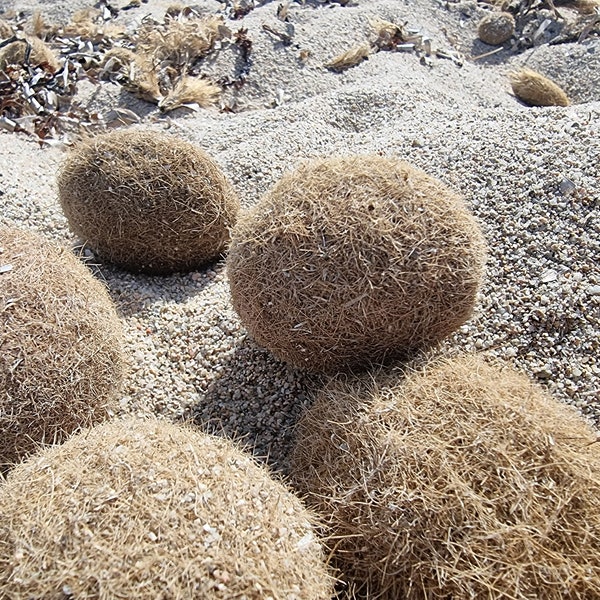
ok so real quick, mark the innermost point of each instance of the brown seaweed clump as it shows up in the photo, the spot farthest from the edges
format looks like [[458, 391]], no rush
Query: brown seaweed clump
[[349, 261], [61, 363], [536, 90], [147, 202], [149, 509], [30, 50], [460, 480]]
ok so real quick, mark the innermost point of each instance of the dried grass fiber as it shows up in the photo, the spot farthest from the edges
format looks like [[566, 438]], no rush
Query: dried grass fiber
[[6, 31], [353, 260], [147, 202], [180, 41], [462, 481], [61, 363], [137, 73], [350, 58], [496, 28], [40, 54], [148, 509], [89, 24], [536, 90], [191, 90]]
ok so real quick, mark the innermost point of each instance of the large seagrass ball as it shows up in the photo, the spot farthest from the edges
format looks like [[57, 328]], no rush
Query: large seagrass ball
[[147, 202], [149, 509], [61, 363], [349, 261], [459, 480]]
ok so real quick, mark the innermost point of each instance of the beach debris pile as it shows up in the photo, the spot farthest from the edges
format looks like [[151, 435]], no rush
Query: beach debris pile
[[41, 64]]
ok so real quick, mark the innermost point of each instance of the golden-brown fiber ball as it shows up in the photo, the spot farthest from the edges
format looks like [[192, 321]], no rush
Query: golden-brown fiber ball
[[534, 89], [61, 361], [458, 480], [147, 202], [149, 509], [350, 261], [496, 28]]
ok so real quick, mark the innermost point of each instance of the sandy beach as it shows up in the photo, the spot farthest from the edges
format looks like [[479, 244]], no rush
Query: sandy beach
[[530, 175]]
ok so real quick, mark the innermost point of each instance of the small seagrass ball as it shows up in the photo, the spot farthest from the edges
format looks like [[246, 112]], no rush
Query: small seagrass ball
[[496, 28], [61, 363], [30, 50], [147, 202], [146, 509], [535, 89], [350, 261], [457, 480]]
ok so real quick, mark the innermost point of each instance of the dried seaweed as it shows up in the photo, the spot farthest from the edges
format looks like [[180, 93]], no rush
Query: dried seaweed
[[394, 37], [354, 260], [159, 63], [350, 58]]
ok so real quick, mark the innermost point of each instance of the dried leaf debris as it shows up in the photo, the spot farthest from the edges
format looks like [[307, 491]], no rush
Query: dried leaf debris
[[162, 62], [41, 63]]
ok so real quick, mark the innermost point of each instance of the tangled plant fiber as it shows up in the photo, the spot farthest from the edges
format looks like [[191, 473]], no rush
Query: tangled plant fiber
[[496, 28], [461, 480], [29, 50], [147, 510], [180, 41], [6, 30], [61, 363], [348, 261], [147, 202], [536, 90]]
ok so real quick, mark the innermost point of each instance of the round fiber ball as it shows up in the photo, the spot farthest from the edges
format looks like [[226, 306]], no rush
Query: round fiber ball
[[496, 28], [16, 53], [348, 261], [147, 202], [61, 363], [536, 90], [147, 510], [462, 480]]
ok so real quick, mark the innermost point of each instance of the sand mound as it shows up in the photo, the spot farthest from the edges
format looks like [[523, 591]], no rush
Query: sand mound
[[148, 509], [60, 360], [461, 481]]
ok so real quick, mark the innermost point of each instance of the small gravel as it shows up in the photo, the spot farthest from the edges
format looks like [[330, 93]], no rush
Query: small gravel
[[531, 176]]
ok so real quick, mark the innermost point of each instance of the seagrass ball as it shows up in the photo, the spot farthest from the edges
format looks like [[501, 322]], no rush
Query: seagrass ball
[[350, 261], [61, 362], [30, 50], [148, 509], [147, 202], [459, 480], [496, 28], [535, 89]]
